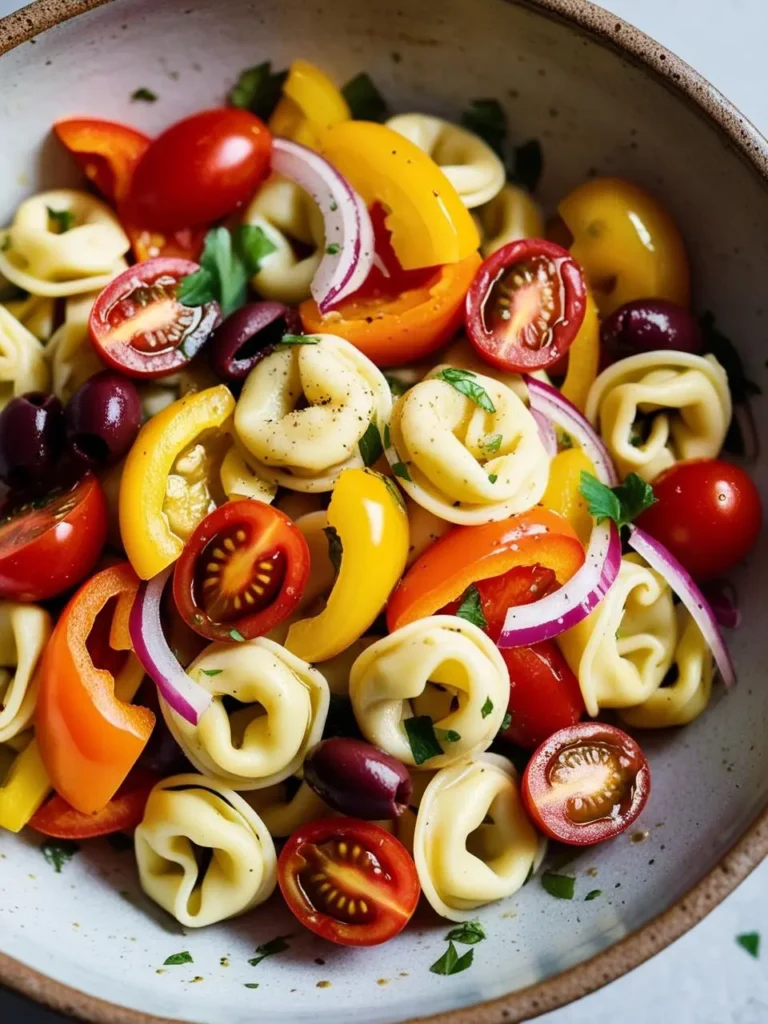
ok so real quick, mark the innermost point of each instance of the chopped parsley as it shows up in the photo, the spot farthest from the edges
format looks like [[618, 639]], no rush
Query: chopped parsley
[[211, 671], [61, 220], [300, 339], [237, 636], [335, 550], [592, 895], [144, 95], [251, 984], [622, 504], [487, 119], [228, 260], [277, 945], [451, 963], [387, 436], [487, 708], [562, 887], [364, 100], [493, 477], [564, 440], [463, 382], [506, 722], [333, 249], [448, 735], [422, 739], [258, 89], [400, 469], [370, 445], [471, 608], [469, 933], [58, 852], [750, 941], [178, 958], [491, 443]]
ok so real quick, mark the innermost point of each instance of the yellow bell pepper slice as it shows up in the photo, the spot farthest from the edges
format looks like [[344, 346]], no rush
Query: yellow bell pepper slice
[[563, 495], [310, 103], [25, 788], [583, 357], [156, 471], [369, 516], [429, 223]]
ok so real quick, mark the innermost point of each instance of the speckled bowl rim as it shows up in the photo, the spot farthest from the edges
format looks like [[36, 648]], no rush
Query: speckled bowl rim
[[752, 848]]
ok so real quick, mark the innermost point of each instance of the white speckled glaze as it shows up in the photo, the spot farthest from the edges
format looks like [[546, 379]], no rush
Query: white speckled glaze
[[89, 926]]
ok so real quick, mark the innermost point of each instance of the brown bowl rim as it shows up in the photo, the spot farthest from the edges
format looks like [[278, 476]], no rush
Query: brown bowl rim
[[680, 78]]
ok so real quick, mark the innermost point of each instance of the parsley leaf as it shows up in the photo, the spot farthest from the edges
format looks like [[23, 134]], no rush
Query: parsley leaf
[[143, 94], [493, 477], [61, 220], [487, 119], [527, 165], [300, 339], [462, 381], [396, 386], [468, 933], [448, 735], [422, 739], [227, 262], [211, 671], [333, 249], [451, 963], [178, 958], [622, 504], [253, 245], [370, 445], [471, 608], [251, 984], [592, 895], [560, 886], [58, 852], [506, 721], [277, 945], [400, 469], [387, 436], [487, 708], [364, 99], [491, 443], [750, 941], [237, 636], [258, 89], [335, 550]]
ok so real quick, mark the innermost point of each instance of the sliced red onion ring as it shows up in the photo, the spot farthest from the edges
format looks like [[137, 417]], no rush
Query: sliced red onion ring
[[548, 401], [546, 432], [349, 247], [531, 623], [679, 579], [724, 602], [186, 697]]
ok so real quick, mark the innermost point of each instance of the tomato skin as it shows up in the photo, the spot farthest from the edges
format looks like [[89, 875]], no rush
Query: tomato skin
[[527, 350], [55, 555], [123, 813], [200, 169], [708, 513], [588, 748], [390, 893], [106, 151], [544, 694]]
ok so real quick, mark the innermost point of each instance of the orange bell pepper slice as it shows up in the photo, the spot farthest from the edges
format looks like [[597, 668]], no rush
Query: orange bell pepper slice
[[89, 738], [467, 554]]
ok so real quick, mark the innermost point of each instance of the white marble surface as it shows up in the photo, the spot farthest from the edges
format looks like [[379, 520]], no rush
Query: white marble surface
[[705, 977]]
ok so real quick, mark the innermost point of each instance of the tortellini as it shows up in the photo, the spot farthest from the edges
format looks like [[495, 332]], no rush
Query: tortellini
[[461, 462], [22, 361], [239, 480], [286, 214], [34, 312], [424, 528], [305, 408], [468, 162], [36, 255], [284, 808], [656, 408], [512, 214], [463, 355], [473, 842], [203, 854], [442, 667], [281, 704], [70, 351], [24, 632]]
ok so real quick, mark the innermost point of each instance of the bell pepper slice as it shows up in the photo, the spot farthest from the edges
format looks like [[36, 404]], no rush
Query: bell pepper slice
[[123, 813], [429, 223], [106, 151], [89, 738], [24, 789], [310, 103], [146, 530], [467, 554], [563, 494], [583, 357], [369, 518]]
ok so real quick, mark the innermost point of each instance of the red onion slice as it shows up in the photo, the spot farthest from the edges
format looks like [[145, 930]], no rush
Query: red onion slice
[[349, 248], [679, 579], [546, 432], [178, 690], [724, 602]]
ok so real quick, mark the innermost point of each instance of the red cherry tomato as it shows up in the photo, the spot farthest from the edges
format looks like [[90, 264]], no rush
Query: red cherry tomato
[[200, 169], [107, 152], [48, 546], [708, 513], [244, 568], [348, 881], [123, 813], [526, 305], [544, 694], [139, 326], [586, 783]]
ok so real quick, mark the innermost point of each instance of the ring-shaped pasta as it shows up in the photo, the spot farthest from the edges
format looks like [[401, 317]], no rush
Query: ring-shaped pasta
[[190, 821], [657, 408], [304, 409], [512, 214], [36, 313], [287, 806], [441, 666], [70, 351], [22, 360], [24, 632], [240, 480], [468, 162], [424, 528], [283, 704]]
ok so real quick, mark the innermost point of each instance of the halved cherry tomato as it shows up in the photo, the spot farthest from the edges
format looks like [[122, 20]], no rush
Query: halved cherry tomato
[[123, 813], [107, 152], [526, 305], [139, 326], [586, 783], [244, 568], [348, 881], [200, 169], [48, 546]]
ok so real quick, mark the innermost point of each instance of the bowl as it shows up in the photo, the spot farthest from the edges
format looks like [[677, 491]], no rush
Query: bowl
[[603, 98]]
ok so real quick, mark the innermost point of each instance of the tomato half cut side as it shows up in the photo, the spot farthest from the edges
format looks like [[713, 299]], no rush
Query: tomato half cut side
[[49, 545], [138, 325], [244, 569], [123, 813], [348, 881], [586, 783], [525, 305]]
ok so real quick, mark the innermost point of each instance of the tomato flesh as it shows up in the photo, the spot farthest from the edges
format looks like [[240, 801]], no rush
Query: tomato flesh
[[586, 783], [123, 813]]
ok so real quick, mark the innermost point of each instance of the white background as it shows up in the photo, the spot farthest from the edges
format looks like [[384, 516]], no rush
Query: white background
[[705, 977]]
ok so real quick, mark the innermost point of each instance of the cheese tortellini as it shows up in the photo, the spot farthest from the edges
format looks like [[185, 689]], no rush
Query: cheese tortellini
[[281, 704], [473, 842], [287, 806], [36, 254], [468, 162], [239, 480], [203, 854], [509, 216], [34, 312], [305, 408], [22, 362], [461, 462], [656, 408], [424, 528], [72, 357], [442, 667], [24, 633]]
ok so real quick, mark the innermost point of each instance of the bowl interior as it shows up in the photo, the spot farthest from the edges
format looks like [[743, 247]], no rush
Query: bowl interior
[[89, 925]]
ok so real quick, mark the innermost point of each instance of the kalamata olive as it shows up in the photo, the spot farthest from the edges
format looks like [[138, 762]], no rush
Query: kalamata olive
[[103, 418], [647, 325], [358, 779], [31, 439], [248, 335]]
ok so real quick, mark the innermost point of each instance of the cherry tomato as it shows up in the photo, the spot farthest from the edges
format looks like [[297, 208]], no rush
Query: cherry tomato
[[48, 546], [123, 813], [200, 169], [708, 513], [526, 305], [586, 783], [107, 152], [139, 326], [243, 569], [184, 244], [348, 881]]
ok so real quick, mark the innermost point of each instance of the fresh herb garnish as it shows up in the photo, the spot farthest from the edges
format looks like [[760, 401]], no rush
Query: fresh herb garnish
[[335, 550], [527, 165], [564, 440], [471, 608], [144, 95], [751, 942], [493, 477], [251, 984], [277, 945], [120, 842], [211, 671], [387, 436], [491, 443], [370, 445], [62, 220], [561, 887], [592, 895], [400, 469], [237, 636], [487, 119], [394, 490], [58, 852], [178, 958], [333, 249], [487, 708], [228, 260], [447, 735], [253, 244], [469, 933], [451, 963], [364, 100], [622, 504], [463, 382], [300, 339], [397, 387], [258, 89], [506, 721], [422, 739]]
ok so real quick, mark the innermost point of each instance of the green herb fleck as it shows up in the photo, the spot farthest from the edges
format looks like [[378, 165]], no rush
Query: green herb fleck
[[527, 165], [420, 731], [396, 386], [487, 119], [560, 886], [463, 382], [211, 671], [593, 894], [491, 443], [251, 984], [277, 945], [622, 504], [178, 958], [751, 942], [564, 440], [335, 550], [469, 933], [451, 963], [333, 249], [258, 89], [364, 100], [506, 722], [387, 436], [144, 95], [59, 852], [237, 636], [300, 339], [334, 206], [493, 477], [61, 220], [120, 842], [227, 262], [370, 445], [448, 735], [487, 708], [471, 608], [394, 490], [253, 244], [400, 469]]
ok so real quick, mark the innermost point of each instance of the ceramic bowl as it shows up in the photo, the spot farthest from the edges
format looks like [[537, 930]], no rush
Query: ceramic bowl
[[602, 98]]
